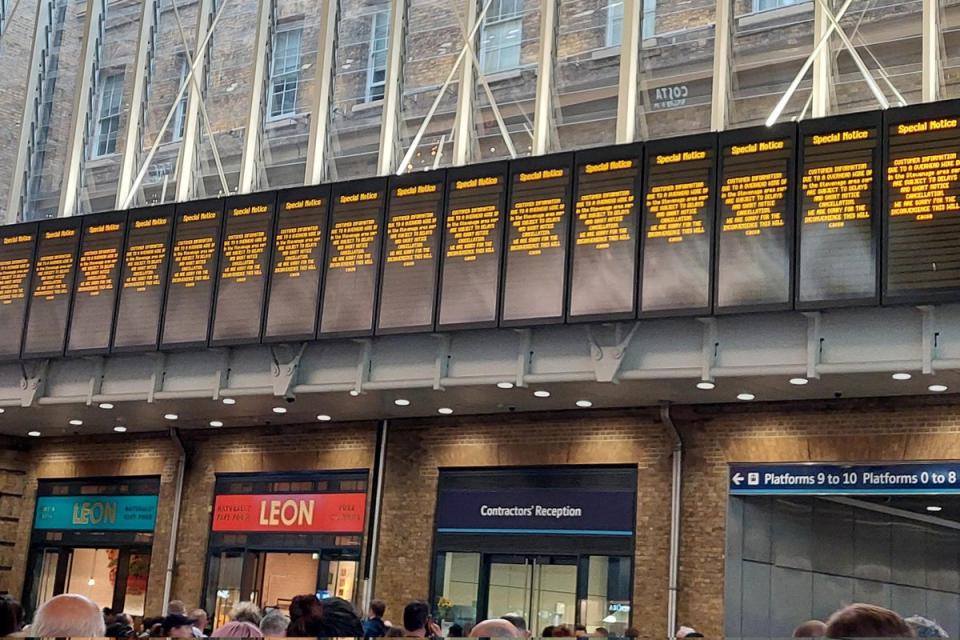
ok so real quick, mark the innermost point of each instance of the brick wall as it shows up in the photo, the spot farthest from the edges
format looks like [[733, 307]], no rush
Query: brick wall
[[14, 467]]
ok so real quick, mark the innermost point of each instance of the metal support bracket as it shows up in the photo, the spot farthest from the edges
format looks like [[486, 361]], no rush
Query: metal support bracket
[[33, 384], [96, 379], [221, 377], [524, 356], [814, 344], [284, 374], [156, 378], [442, 365], [709, 349], [608, 359], [364, 362], [931, 338]]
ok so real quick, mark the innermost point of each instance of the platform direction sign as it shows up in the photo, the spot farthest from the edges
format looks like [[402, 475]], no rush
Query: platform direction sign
[[845, 479]]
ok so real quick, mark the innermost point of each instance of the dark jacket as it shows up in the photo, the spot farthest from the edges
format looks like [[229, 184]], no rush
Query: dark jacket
[[374, 628]]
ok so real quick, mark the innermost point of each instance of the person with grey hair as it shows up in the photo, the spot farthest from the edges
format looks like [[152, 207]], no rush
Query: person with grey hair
[[274, 625], [246, 612], [926, 628], [68, 615]]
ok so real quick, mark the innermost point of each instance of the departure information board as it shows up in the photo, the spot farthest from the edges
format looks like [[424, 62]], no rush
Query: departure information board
[[678, 214], [538, 219], [472, 246], [603, 269], [51, 288], [98, 275], [143, 277], [839, 197], [17, 244], [192, 273], [353, 256], [244, 263], [922, 257], [408, 284], [755, 220], [297, 264]]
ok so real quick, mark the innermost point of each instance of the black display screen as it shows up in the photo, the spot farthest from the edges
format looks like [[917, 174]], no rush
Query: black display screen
[[534, 281], [603, 269], [408, 286], [472, 246], [143, 277], [922, 204], [296, 264], [192, 273], [17, 244], [678, 214], [839, 197], [755, 222], [244, 263], [51, 288], [353, 256], [98, 275]]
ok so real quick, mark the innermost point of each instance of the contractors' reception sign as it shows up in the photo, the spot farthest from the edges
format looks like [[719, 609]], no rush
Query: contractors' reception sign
[[845, 479], [290, 513], [96, 513]]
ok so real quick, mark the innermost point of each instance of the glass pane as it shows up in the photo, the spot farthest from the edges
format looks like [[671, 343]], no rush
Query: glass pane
[[950, 34], [228, 587], [138, 572], [460, 573], [509, 589], [587, 72], [93, 573], [342, 580], [48, 577], [770, 46], [358, 88], [608, 595], [286, 575], [554, 595]]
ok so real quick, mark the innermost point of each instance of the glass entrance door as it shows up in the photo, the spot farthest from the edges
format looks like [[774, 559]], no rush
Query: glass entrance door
[[542, 589]]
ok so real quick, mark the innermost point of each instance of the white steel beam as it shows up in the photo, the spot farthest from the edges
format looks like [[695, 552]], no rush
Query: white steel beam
[[932, 64], [722, 66], [822, 86], [464, 133], [317, 147], [393, 90], [258, 93], [190, 144], [543, 106], [629, 72]]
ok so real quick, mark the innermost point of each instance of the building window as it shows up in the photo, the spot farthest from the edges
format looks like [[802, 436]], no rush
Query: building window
[[285, 72], [614, 23], [649, 21], [108, 116], [767, 5], [180, 116], [377, 67], [502, 34]]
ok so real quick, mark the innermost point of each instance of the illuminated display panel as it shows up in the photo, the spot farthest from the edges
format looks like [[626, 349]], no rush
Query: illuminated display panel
[[191, 274], [538, 219], [755, 201], [17, 244], [408, 286], [51, 288], [839, 196], [472, 246], [353, 257], [678, 212], [244, 264], [297, 264], [922, 203], [143, 277], [98, 277], [603, 268]]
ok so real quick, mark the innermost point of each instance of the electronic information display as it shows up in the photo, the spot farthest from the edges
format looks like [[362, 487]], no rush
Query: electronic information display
[[922, 257], [534, 280], [51, 288], [678, 213], [353, 256], [146, 256], [408, 281], [17, 244], [296, 265], [244, 263], [472, 246], [192, 273], [755, 219], [603, 267], [838, 198], [98, 275]]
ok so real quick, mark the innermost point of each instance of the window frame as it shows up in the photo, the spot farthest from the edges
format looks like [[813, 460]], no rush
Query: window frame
[[180, 115], [281, 77], [375, 88], [501, 22], [102, 138]]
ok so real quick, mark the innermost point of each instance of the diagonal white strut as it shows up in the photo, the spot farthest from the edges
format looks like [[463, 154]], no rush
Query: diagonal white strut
[[867, 76]]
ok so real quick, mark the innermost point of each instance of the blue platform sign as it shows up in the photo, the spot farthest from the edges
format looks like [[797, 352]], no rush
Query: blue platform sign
[[96, 513], [922, 478]]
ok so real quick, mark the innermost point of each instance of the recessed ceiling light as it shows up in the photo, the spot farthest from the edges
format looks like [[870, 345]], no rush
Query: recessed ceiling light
[[216, 423], [445, 411], [76, 423], [324, 418], [280, 410], [901, 376], [33, 434], [541, 393], [354, 393], [937, 388], [171, 416], [799, 381], [402, 402], [229, 401], [705, 385], [505, 385], [584, 404], [934, 509], [106, 405], [120, 428], [745, 396]]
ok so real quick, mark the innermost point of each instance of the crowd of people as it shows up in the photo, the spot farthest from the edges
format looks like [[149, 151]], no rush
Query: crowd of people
[[72, 615]]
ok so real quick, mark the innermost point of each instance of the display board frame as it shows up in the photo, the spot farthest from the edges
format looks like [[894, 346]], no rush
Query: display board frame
[[31, 228]]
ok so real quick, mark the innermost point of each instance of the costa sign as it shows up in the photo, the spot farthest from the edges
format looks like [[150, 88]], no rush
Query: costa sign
[[290, 513]]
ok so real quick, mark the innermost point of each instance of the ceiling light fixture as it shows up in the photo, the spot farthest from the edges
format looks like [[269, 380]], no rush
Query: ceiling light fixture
[[706, 385], [216, 423], [902, 375], [120, 428], [2, 409], [799, 381], [934, 509], [584, 404], [354, 393], [937, 388], [171, 416], [229, 401], [324, 418], [505, 385], [745, 396], [541, 393], [33, 434], [402, 402], [106, 405], [280, 410], [76, 423], [445, 411]]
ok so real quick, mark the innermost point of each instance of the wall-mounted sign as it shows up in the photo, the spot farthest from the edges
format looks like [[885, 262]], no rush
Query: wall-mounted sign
[[290, 513], [845, 479], [670, 97], [96, 513]]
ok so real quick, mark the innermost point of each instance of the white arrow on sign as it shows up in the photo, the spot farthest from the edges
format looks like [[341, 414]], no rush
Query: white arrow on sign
[[737, 478]]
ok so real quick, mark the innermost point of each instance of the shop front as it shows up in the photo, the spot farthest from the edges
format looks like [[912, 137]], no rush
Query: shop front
[[277, 536], [93, 537], [554, 545]]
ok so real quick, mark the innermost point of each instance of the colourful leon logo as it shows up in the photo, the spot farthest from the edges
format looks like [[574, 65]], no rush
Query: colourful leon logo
[[94, 513], [286, 512]]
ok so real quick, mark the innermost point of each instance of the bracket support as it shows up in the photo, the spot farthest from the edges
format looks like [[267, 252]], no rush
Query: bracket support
[[284, 374], [608, 359], [33, 383]]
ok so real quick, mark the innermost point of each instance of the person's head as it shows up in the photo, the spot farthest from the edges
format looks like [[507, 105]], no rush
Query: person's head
[[496, 628], [810, 629], [687, 632], [123, 618], [237, 629], [274, 625], [632, 632], [455, 631], [926, 628], [200, 617], [176, 608], [338, 619], [68, 615], [601, 632], [177, 625], [547, 631], [415, 616], [11, 615], [580, 631], [246, 612], [395, 632], [518, 622], [377, 608], [563, 631], [867, 621], [307, 606]]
